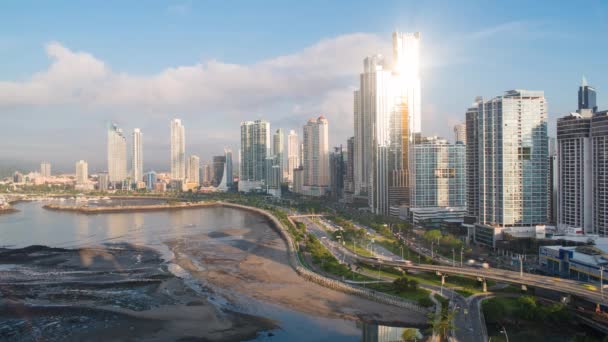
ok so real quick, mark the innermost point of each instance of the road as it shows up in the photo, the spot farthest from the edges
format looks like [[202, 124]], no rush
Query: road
[[467, 317]]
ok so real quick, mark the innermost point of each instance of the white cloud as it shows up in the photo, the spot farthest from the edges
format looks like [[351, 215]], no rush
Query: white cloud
[[80, 79]]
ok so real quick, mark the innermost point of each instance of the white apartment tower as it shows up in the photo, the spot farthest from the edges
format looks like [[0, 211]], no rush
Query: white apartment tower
[[278, 150], [178, 150], [293, 154], [117, 155], [45, 169], [316, 156], [82, 172], [194, 169], [255, 147], [137, 163]]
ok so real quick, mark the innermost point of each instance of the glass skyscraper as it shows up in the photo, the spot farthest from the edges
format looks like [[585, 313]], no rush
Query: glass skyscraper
[[439, 174], [255, 148], [586, 97]]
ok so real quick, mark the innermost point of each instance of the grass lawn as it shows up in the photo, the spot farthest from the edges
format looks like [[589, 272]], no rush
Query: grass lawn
[[419, 295]]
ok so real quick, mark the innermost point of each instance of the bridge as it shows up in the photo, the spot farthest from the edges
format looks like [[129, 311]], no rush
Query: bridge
[[566, 286]]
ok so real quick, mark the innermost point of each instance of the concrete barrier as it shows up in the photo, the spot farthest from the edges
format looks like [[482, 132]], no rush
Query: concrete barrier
[[305, 273]]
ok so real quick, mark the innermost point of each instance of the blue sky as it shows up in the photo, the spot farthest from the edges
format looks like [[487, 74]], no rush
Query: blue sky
[[67, 68]]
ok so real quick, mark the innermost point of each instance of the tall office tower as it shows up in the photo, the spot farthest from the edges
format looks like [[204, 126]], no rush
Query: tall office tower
[[45, 169], [513, 154], [228, 171], [255, 147], [472, 158], [218, 170], [117, 155], [349, 181], [406, 65], [440, 174], [316, 157], [387, 115], [278, 149], [137, 163], [82, 172], [194, 166], [293, 154], [337, 173], [460, 133], [150, 180], [103, 180], [586, 97], [178, 150]]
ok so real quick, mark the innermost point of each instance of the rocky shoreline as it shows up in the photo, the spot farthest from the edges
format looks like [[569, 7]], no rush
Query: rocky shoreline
[[8, 210], [112, 292]]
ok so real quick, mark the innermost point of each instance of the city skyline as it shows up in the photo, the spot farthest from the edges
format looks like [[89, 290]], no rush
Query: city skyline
[[80, 64]]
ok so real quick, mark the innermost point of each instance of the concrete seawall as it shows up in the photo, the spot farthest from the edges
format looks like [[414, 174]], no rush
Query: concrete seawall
[[133, 208], [296, 264]]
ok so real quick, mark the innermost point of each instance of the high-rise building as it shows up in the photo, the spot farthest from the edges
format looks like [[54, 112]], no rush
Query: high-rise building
[[137, 163], [440, 174], [150, 180], [472, 158], [349, 181], [228, 172], [82, 172], [575, 198], [255, 147], [207, 176], [227, 176], [194, 165], [117, 155], [599, 173], [316, 157], [218, 170], [406, 66], [273, 176], [586, 97], [337, 174], [460, 133], [513, 169], [387, 115], [278, 149], [178, 150], [103, 180], [45, 169], [293, 154]]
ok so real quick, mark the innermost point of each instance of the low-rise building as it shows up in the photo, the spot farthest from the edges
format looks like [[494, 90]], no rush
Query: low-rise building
[[582, 263]]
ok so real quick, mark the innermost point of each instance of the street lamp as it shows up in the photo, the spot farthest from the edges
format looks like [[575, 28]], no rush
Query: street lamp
[[461, 252], [504, 331], [602, 281]]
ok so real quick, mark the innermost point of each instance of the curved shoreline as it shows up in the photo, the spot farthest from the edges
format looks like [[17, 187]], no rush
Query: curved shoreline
[[292, 248], [132, 208]]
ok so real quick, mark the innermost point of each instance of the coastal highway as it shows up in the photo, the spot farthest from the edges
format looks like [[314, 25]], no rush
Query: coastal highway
[[467, 315], [470, 328], [565, 286]]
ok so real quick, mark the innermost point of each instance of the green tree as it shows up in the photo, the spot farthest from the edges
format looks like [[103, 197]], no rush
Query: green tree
[[409, 334], [432, 235]]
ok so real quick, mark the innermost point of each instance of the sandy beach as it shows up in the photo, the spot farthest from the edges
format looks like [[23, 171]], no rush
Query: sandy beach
[[253, 262]]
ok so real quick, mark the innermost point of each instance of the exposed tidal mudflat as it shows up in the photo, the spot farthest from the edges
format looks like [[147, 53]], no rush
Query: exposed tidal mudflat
[[215, 273]]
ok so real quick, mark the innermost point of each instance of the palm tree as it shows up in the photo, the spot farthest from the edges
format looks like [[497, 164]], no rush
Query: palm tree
[[409, 334]]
